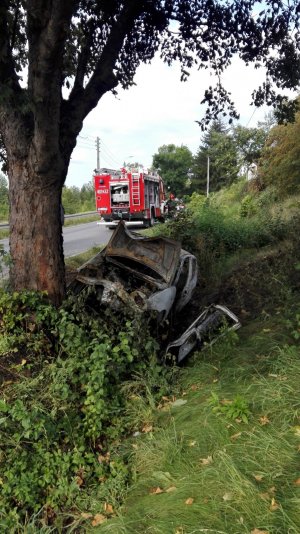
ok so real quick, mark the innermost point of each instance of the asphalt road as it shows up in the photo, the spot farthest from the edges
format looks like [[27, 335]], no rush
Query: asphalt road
[[79, 238]]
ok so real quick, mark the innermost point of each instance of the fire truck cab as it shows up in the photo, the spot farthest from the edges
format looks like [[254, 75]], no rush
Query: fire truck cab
[[132, 195]]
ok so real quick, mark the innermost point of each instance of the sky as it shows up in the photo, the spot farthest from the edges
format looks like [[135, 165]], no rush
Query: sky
[[158, 110]]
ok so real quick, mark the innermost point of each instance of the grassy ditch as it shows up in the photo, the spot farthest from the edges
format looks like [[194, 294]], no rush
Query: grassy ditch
[[222, 455]]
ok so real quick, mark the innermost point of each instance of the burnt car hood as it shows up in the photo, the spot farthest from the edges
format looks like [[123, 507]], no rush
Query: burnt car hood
[[151, 258]]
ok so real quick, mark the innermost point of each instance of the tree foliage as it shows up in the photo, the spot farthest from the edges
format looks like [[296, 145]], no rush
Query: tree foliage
[[249, 143], [3, 198], [76, 200], [73, 52], [173, 163], [217, 150], [280, 162]]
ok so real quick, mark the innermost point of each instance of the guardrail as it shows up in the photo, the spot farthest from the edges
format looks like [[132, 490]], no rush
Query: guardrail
[[5, 225]]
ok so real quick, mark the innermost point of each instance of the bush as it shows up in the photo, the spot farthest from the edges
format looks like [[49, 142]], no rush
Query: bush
[[62, 404], [213, 235]]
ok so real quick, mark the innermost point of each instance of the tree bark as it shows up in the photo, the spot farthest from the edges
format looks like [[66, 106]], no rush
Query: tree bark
[[36, 242]]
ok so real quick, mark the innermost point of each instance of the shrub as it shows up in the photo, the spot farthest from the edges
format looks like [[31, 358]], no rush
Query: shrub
[[62, 403]]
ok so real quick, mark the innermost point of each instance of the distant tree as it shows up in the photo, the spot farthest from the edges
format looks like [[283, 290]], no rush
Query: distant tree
[[249, 143], [280, 161], [217, 145], [87, 197], [71, 199], [173, 163], [3, 197]]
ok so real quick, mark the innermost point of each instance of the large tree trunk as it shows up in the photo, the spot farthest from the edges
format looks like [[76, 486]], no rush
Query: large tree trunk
[[36, 243], [39, 130]]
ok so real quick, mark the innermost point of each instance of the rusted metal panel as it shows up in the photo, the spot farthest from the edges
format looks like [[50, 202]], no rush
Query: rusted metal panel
[[158, 257]]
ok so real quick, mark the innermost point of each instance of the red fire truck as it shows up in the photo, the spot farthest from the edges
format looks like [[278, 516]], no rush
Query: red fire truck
[[129, 194]]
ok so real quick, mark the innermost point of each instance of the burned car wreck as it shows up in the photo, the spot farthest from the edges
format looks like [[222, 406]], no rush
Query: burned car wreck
[[154, 276]]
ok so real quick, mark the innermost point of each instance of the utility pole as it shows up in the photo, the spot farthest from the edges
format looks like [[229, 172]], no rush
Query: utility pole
[[207, 180], [98, 152]]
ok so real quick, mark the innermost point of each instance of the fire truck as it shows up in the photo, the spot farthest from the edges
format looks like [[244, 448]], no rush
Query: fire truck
[[133, 195]]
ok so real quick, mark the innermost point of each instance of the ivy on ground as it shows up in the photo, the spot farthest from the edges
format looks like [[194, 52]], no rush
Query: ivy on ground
[[62, 405]]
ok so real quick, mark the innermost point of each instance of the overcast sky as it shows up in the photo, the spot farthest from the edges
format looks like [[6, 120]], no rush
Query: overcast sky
[[158, 110]]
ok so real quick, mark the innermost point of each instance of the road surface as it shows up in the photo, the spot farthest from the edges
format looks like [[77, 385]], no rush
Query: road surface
[[79, 238]]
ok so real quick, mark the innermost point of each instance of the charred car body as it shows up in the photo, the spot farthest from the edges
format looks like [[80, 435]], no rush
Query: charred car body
[[151, 275]]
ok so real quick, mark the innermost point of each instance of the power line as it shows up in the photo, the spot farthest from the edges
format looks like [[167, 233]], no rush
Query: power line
[[89, 143], [251, 118]]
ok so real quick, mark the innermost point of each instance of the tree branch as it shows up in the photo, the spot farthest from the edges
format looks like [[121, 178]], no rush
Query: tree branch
[[82, 100], [9, 81]]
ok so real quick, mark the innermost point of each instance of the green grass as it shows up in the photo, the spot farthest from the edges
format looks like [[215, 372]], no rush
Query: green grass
[[238, 476], [4, 234], [81, 220], [74, 262]]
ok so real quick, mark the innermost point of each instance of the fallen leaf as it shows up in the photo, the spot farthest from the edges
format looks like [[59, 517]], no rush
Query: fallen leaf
[[258, 531], [297, 482], [264, 420], [189, 501], [79, 481], [274, 505], [135, 446], [98, 520], [297, 430], [156, 491], [164, 407], [206, 461], [194, 387], [272, 490], [147, 428], [86, 515], [108, 508], [235, 436], [104, 458], [227, 496], [179, 530], [170, 489], [225, 402], [258, 478], [23, 362], [265, 496], [192, 443], [179, 402]]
